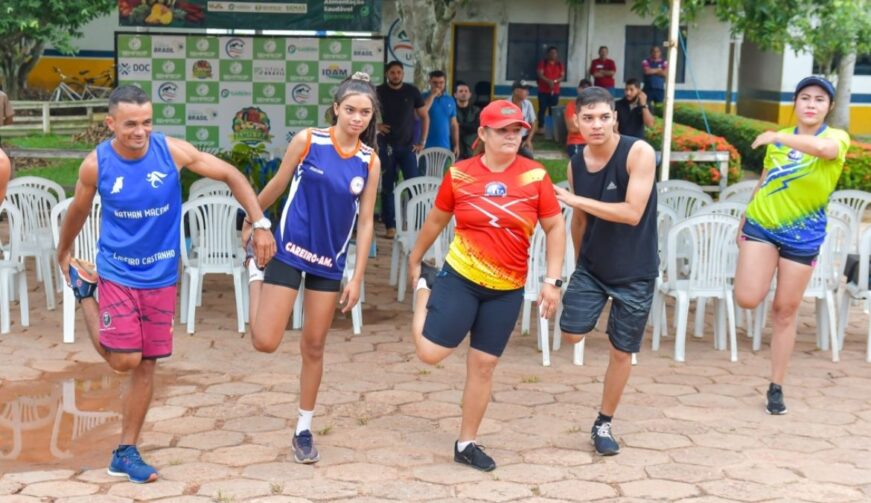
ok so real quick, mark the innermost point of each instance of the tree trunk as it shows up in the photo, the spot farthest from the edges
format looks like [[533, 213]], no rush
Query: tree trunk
[[427, 23], [18, 60], [841, 114]]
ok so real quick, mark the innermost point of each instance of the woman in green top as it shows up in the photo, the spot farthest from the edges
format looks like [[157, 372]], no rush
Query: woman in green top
[[785, 222]]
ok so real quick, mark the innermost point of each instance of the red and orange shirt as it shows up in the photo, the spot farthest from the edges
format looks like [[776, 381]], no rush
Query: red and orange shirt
[[495, 214]]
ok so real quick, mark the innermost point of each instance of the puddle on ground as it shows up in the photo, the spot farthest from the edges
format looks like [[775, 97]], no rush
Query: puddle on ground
[[66, 420]]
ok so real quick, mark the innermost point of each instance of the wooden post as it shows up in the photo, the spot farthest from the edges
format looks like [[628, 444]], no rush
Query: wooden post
[[46, 118], [668, 116]]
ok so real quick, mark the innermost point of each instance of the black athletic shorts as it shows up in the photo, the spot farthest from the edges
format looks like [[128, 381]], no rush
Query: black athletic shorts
[[458, 306], [281, 274], [585, 298]]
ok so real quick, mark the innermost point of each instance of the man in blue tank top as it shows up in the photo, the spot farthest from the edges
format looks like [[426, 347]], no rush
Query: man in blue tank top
[[136, 174], [614, 232]]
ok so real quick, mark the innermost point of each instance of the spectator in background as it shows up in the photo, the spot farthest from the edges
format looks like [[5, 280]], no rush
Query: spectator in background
[[603, 69], [574, 140], [519, 96], [444, 132], [6, 112], [633, 114], [655, 70], [468, 116], [550, 73], [400, 102]]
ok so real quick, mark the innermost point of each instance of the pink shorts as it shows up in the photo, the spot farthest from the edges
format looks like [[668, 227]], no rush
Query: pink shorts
[[134, 320]]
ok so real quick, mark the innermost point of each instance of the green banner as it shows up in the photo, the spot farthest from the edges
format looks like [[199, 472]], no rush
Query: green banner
[[309, 15]]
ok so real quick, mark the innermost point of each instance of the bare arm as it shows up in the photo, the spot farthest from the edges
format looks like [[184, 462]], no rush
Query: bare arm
[[365, 230], [422, 112], [5, 173], [579, 220], [825, 148], [642, 170], [455, 136], [555, 232], [279, 182], [429, 232], [647, 116], [78, 211]]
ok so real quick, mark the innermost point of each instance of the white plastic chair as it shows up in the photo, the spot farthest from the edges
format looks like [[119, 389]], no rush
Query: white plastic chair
[[858, 201], [214, 188], [708, 273], [684, 202], [39, 182], [666, 218], [84, 247], [536, 269], [443, 243], [669, 185], [12, 268], [347, 274], [415, 215], [401, 195], [569, 264], [213, 220], [437, 160], [26, 413], [740, 192], [201, 184], [35, 206], [858, 290]]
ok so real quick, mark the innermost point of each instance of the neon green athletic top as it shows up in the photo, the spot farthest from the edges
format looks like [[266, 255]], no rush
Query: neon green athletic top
[[790, 205]]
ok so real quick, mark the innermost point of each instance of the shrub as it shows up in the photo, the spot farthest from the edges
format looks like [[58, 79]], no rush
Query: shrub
[[688, 139], [741, 131]]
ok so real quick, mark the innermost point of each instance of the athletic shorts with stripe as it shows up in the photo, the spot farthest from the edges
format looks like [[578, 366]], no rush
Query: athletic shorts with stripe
[[136, 320]]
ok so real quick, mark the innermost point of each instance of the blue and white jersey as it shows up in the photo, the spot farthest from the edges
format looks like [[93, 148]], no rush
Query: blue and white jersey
[[140, 216], [322, 205]]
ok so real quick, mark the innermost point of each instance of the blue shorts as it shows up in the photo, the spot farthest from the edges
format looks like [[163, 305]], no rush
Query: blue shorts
[[585, 298], [753, 232], [458, 306]]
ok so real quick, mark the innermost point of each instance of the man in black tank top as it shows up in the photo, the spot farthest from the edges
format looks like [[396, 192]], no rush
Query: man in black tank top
[[614, 233]]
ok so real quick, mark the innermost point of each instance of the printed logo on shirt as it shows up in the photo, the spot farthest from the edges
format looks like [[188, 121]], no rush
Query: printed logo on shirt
[[495, 189], [107, 319], [155, 178], [119, 184], [794, 155], [611, 186], [357, 185]]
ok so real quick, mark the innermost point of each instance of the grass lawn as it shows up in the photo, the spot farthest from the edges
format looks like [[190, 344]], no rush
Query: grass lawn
[[47, 141], [62, 171]]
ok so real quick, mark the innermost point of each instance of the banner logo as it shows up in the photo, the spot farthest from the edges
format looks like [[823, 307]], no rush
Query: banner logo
[[168, 92], [335, 72], [301, 93], [251, 125], [234, 47]]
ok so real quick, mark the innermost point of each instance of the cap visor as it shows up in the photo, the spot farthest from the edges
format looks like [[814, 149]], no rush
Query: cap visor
[[508, 122]]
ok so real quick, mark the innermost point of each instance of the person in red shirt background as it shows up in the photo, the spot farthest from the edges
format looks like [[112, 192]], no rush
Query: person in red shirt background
[[603, 69], [551, 72], [574, 140], [496, 199]]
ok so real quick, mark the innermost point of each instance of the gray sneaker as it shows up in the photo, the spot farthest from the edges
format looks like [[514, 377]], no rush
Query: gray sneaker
[[304, 450]]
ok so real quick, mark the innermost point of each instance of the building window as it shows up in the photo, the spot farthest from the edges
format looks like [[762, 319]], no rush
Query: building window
[[863, 66], [527, 44], [639, 40]]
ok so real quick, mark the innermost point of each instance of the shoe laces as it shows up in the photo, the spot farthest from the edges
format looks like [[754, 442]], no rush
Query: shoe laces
[[604, 430], [304, 441], [133, 457]]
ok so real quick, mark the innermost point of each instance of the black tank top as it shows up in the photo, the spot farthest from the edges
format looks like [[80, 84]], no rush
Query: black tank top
[[616, 253]]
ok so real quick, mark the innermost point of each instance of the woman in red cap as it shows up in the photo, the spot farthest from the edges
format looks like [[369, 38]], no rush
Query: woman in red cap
[[785, 222], [497, 198]]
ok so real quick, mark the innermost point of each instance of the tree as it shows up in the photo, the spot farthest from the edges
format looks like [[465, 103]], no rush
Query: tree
[[427, 23], [27, 26], [834, 31]]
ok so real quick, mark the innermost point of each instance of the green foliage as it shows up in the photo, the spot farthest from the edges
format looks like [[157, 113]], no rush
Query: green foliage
[[688, 139], [251, 161], [741, 132], [47, 141], [26, 26]]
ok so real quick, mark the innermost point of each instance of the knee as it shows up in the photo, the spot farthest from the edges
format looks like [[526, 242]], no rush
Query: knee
[[312, 350], [482, 368], [573, 338], [263, 346], [124, 362], [429, 357], [747, 300], [783, 313], [620, 357]]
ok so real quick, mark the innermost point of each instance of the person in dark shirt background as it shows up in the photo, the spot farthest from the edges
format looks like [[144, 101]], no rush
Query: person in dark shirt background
[[633, 113], [468, 118]]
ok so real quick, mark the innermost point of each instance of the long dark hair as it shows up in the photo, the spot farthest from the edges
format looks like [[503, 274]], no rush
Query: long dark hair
[[359, 84]]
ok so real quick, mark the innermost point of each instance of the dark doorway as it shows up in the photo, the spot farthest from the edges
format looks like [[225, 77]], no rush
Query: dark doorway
[[473, 59]]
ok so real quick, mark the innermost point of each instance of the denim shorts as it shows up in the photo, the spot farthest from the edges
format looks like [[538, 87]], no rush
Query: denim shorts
[[585, 298], [458, 306], [752, 232]]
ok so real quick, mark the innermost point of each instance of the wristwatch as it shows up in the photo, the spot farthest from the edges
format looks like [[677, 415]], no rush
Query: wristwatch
[[264, 223], [553, 281]]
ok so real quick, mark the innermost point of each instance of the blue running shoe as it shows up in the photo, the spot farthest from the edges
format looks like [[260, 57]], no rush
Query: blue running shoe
[[304, 450], [83, 278], [126, 462]]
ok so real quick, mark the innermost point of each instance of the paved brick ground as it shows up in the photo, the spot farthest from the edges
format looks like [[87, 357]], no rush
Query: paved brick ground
[[222, 419]]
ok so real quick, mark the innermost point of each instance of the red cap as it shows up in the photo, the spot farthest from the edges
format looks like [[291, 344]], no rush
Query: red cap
[[501, 113]]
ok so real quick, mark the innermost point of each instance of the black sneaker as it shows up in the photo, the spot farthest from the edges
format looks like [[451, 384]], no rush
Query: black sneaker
[[603, 440], [775, 406], [428, 273], [474, 456]]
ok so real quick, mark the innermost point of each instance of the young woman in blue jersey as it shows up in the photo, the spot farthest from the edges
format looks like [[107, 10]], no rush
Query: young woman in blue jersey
[[333, 176], [785, 222]]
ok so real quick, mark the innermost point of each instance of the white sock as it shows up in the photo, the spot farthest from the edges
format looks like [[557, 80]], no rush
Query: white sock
[[254, 273], [461, 446], [421, 283], [304, 421]]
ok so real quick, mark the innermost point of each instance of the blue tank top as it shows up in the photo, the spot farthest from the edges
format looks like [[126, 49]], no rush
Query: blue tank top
[[140, 216], [322, 204]]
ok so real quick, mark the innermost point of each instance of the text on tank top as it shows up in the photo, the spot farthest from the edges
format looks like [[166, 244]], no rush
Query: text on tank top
[[140, 204], [322, 204], [613, 252]]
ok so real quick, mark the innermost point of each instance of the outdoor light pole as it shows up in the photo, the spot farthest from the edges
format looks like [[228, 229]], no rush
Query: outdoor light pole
[[668, 116]]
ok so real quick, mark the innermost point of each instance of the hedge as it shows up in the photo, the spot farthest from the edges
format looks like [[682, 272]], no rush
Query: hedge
[[688, 139], [741, 131]]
